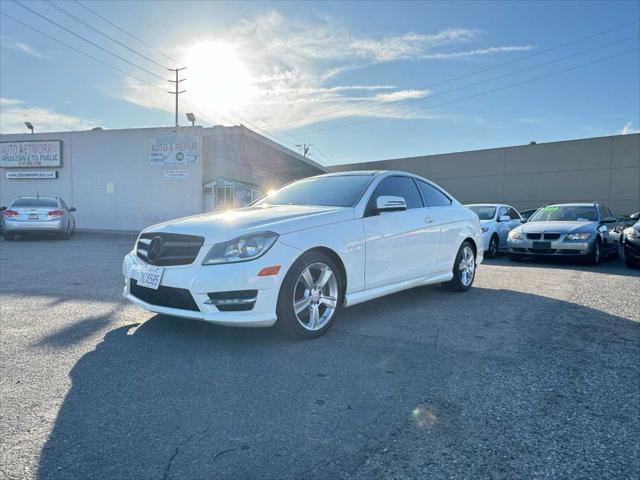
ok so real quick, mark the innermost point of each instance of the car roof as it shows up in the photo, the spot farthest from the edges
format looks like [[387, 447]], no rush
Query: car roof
[[582, 204], [485, 205], [37, 196]]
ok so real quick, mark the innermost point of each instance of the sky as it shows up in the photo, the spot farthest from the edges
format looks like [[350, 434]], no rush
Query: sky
[[358, 81]]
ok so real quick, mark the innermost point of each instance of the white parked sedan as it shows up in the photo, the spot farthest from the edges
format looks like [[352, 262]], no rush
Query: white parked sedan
[[301, 253], [496, 220]]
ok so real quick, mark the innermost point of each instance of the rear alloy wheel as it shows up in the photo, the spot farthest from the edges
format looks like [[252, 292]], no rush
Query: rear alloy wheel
[[594, 257], [493, 247], [310, 296], [464, 269]]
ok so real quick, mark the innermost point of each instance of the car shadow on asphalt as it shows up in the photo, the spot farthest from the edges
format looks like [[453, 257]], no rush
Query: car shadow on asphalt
[[609, 266], [421, 381]]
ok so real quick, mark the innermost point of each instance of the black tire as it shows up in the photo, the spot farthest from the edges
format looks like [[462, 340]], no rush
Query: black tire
[[494, 243], [456, 284], [288, 322], [616, 252], [629, 261], [515, 257], [67, 234], [594, 258]]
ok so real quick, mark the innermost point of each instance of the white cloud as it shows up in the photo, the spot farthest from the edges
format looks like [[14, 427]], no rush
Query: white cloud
[[14, 113], [295, 68], [10, 101], [479, 51], [21, 46], [400, 95], [628, 128]]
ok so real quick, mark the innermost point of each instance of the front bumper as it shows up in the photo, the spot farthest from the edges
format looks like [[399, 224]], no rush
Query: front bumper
[[25, 226], [632, 249], [200, 280], [556, 248]]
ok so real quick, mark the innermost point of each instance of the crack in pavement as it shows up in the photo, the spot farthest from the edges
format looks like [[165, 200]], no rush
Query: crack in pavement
[[167, 469]]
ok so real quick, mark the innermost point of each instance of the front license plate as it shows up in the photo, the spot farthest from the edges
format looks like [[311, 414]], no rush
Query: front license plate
[[149, 276], [542, 245]]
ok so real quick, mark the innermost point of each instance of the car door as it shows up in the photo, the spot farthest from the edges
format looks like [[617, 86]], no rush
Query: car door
[[503, 228], [516, 221], [399, 244], [444, 219]]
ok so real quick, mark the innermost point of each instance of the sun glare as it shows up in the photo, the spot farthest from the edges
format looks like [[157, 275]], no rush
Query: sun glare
[[216, 76]]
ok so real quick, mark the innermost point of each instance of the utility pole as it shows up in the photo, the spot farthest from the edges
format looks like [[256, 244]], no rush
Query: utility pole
[[177, 92], [305, 147]]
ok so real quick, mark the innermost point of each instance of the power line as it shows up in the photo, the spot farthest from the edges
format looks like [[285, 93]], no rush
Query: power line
[[115, 40], [127, 33], [505, 75], [89, 41], [492, 67], [541, 77], [80, 51]]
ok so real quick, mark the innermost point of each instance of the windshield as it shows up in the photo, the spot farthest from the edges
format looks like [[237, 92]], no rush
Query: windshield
[[334, 191], [35, 202], [484, 212], [568, 213]]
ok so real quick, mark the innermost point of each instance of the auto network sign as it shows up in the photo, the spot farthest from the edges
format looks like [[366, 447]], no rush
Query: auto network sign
[[174, 150], [37, 154]]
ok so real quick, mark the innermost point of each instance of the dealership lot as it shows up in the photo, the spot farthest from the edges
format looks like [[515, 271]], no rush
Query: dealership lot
[[531, 374]]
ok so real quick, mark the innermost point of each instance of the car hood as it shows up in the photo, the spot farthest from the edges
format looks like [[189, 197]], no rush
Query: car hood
[[557, 227], [486, 223], [281, 219]]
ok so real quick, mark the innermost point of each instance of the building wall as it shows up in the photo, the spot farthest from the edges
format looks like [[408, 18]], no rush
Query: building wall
[[604, 169], [108, 177], [240, 154], [107, 174]]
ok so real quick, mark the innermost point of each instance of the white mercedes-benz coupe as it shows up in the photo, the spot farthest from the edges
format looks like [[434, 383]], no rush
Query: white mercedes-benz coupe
[[299, 255]]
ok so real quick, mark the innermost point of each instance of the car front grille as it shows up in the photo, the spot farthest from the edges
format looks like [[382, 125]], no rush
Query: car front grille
[[167, 249], [551, 236], [169, 297], [534, 236]]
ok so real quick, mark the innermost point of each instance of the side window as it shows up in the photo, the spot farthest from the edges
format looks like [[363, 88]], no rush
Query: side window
[[432, 196], [513, 214], [64, 205], [502, 211], [398, 187], [608, 212]]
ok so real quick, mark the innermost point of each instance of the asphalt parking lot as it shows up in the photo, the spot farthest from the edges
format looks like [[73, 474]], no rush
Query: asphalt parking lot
[[531, 374]]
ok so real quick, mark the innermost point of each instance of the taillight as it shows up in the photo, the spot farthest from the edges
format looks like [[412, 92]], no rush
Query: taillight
[[10, 213], [55, 213]]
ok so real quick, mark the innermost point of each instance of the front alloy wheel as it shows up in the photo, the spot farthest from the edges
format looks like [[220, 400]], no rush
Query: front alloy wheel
[[315, 296], [310, 296]]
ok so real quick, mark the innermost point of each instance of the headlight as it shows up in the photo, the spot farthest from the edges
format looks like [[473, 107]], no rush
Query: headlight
[[241, 249], [485, 229], [631, 233], [579, 236], [515, 235]]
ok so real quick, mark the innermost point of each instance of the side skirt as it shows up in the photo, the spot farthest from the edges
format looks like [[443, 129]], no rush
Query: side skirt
[[366, 295]]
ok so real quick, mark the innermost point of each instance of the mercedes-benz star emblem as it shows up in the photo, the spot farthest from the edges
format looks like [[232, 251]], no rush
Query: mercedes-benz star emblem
[[155, 249]]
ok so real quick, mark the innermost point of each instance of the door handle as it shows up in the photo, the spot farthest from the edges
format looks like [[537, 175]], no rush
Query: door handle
[[428, 219]]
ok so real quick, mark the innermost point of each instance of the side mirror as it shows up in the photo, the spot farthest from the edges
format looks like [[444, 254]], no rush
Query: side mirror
[[504, 218], [73, 209], [389, 203], [610, 220]]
